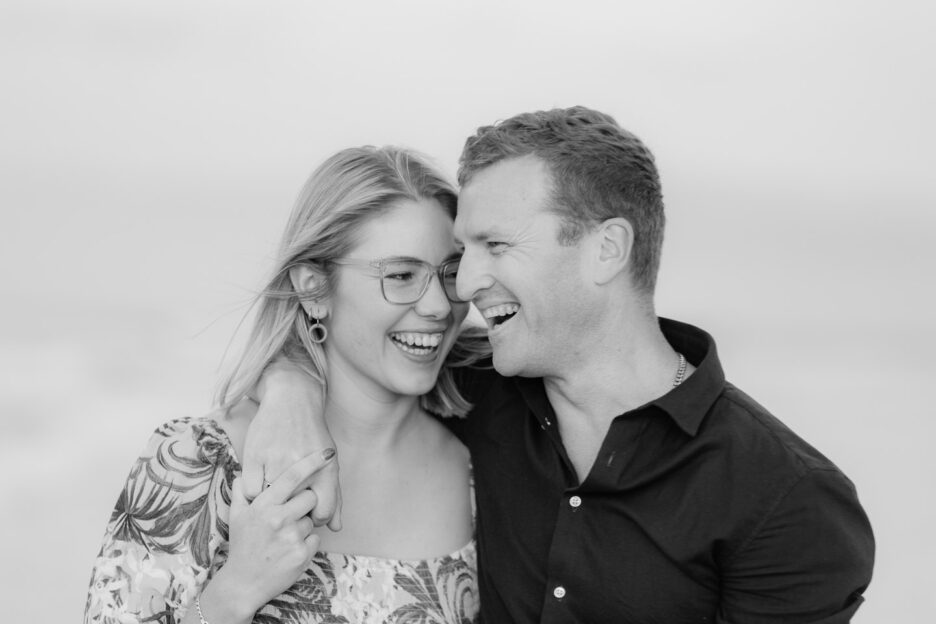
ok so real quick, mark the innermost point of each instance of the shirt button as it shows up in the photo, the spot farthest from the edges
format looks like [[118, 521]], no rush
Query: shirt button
[[559, 592], [575, 501]]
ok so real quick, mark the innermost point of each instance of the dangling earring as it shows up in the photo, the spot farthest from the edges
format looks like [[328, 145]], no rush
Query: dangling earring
[[317, 332]]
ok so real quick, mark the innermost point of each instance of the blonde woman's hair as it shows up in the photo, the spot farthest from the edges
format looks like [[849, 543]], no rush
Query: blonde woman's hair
[[346, 191]]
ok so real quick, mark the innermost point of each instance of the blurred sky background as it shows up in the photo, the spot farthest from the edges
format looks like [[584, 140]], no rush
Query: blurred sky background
[[150, 153]]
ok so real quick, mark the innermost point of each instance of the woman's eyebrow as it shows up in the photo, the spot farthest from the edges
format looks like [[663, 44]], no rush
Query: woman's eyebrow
[[452, 256], [399, 259]]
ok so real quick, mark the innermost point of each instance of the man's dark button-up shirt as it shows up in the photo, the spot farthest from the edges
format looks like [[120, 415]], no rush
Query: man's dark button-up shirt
[[700, 507]]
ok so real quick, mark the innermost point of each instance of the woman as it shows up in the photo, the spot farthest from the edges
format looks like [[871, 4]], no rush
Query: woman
[[363, 298]]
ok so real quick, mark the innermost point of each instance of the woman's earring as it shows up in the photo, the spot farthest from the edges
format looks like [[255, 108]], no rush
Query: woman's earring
[[317, 332]]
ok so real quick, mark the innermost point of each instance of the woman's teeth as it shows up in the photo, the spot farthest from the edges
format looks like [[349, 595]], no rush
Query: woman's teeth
[[416, 342]]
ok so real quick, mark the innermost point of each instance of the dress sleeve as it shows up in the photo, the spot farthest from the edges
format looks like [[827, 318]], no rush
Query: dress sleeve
[[168, 532], [808, 563]]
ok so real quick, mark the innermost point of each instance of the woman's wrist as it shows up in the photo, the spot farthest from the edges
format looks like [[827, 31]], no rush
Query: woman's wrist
[[198, 610], [222, 602]]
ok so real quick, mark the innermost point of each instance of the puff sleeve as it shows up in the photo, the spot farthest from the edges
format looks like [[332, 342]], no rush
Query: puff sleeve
[[168, 532]]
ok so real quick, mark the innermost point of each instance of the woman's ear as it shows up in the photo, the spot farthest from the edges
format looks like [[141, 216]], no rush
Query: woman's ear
[[307, 278], [615, 242]]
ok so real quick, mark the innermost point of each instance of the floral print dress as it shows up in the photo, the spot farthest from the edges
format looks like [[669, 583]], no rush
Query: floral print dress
[[168, 535]]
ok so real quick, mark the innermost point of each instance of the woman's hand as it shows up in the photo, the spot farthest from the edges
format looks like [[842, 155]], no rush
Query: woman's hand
[[272, 542]]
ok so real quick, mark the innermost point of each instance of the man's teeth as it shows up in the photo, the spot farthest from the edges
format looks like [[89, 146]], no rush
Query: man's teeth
[[500, 311], [414, 339]]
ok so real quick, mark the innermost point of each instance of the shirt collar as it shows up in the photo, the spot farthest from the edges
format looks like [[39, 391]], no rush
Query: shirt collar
[[689, 402], [686, 404]]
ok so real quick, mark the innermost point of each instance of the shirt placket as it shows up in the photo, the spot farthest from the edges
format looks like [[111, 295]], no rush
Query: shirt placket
[[567, 562]]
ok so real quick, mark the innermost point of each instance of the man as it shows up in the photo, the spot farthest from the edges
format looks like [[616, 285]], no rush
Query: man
[[619, 477]]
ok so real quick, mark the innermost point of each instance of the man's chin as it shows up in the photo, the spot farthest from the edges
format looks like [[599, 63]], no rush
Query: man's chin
[[506, 365]]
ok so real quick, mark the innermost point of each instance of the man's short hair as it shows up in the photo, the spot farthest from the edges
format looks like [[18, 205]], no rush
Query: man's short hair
[[599, 171]]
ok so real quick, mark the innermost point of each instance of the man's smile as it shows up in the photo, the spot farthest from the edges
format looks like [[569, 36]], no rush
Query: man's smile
[[495, 315]]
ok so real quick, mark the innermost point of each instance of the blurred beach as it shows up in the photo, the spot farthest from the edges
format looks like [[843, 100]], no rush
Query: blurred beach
[[151, 154]]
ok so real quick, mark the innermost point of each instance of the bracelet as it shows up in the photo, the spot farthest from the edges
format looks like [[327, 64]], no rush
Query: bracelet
[[201, 617]]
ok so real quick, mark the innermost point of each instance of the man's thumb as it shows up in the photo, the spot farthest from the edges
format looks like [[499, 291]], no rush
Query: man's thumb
[[238, 499], [252, 478]]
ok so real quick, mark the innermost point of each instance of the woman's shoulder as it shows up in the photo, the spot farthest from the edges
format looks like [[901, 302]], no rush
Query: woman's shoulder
[[173, 507], [192, 441]]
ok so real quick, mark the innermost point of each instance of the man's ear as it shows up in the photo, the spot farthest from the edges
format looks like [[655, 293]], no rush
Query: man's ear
[[614, 240], [308, 279]]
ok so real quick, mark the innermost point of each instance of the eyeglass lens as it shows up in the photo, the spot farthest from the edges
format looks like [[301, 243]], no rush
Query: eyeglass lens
[[405, 281]]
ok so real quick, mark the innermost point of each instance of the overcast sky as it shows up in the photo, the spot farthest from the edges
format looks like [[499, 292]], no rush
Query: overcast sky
[[150, 152]]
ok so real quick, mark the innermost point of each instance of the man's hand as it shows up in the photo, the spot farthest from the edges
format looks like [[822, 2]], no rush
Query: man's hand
[[290, 425]]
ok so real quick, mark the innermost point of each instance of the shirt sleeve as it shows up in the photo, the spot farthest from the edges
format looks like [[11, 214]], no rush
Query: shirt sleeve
[[167, 530], [808, 562]]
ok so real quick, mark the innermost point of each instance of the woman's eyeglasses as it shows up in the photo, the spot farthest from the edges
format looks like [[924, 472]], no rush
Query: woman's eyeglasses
[[406, 280]]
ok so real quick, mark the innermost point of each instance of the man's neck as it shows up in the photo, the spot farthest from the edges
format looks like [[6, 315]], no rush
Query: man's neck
[[619, 375], [637, 365]]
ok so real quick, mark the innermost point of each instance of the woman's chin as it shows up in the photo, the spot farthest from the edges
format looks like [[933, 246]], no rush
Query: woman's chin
[[418, 387]]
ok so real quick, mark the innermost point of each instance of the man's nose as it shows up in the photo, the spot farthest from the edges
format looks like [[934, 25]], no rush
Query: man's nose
[[473, 276]]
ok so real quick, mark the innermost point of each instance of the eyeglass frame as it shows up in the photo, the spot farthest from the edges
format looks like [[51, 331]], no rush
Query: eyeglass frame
[[381, 263]]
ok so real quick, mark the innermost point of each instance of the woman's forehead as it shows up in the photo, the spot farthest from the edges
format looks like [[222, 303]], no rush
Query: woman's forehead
[[416, 229]]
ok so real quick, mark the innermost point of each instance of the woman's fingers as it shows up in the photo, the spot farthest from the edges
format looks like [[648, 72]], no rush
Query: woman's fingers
[[300, 504], [291, 480]]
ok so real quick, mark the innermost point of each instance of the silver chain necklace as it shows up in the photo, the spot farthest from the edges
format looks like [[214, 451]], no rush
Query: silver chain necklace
[[680, 371]]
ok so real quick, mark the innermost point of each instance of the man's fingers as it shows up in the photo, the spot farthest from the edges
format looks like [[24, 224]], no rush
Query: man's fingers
[[305, 526], [252, 476], [290, 481], [335, 523], [253, 484], [328, 507], [238, 499], [301, 504]]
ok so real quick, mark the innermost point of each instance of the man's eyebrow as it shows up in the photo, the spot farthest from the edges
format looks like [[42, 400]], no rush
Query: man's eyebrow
[[480, 237]]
